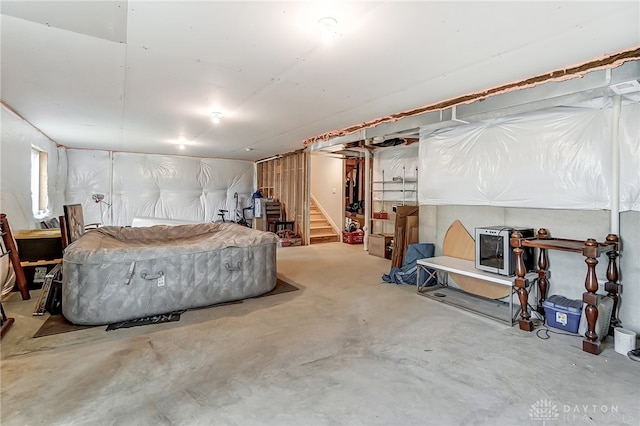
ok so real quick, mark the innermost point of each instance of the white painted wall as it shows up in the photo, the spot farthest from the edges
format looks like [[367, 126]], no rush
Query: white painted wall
[[15, 176], [327, 186]]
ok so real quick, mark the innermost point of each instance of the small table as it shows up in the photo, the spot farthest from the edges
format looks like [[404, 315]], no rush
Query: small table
[[591, 250], [467, 268]]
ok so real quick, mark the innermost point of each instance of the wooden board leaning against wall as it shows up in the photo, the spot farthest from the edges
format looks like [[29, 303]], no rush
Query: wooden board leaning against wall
[[284, 178]]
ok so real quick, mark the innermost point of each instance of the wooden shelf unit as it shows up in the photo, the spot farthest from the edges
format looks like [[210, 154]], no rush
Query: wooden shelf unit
[[591, 250]]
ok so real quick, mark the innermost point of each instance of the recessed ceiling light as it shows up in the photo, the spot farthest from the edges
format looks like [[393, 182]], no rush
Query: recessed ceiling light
[[248, 149], [216, 116], [181, 146]]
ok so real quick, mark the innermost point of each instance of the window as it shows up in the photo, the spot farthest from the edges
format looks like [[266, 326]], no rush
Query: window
[[39, 196]]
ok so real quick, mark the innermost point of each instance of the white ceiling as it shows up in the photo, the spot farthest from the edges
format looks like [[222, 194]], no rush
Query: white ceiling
[[139, 75]]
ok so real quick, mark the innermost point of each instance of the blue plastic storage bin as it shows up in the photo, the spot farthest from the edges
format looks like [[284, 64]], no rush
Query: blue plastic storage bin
[[562, 313]]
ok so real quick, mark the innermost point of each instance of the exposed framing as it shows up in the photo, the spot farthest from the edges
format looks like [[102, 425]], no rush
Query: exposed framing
[[284, 178]]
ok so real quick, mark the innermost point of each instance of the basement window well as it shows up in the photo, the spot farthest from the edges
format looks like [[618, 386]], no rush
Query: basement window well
[[39, 193]]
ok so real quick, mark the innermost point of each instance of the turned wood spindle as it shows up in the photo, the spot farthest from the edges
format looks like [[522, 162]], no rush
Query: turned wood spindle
[[543, 265], [590, 342], [521, 283], [10, 245], [612, 287]]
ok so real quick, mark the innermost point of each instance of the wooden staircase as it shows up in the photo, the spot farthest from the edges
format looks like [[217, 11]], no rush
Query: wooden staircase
[[321, 230]]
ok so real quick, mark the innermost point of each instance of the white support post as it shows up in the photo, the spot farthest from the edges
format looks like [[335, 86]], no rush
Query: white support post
[[615, 167]]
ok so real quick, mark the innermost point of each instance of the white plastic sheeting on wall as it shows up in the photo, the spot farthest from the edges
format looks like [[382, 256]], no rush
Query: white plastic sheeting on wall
[[397, 162], [157, 186], [558, 159], [629, 137], [88, 174]]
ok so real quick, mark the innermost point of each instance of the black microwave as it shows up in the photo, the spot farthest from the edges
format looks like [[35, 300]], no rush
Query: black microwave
[[494, 252]]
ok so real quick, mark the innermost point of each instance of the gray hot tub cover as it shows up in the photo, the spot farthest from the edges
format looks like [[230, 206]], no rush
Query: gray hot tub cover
[[116, 274]]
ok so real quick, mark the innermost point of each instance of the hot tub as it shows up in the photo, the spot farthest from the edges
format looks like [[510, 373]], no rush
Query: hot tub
[[114, 274]]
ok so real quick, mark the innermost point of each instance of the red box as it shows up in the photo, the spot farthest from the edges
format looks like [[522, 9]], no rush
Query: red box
[[380, 215], [356, 237]]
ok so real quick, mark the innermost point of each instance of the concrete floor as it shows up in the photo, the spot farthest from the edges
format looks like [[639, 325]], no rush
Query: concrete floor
[[346, 349]]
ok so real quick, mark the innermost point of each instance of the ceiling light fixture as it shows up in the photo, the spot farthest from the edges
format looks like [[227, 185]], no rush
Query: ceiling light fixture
[[181, 146], [216, 116], [327, 28], [248, 149]]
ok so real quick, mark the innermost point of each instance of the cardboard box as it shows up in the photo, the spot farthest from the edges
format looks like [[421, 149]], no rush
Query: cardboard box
[[378, 245], [360, 219]]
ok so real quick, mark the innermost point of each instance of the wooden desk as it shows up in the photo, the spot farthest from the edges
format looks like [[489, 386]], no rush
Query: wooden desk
[[39, 244], [467, 268], [38, 248]]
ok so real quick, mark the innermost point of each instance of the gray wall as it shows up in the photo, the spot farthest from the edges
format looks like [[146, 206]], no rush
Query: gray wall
[[568, 270]]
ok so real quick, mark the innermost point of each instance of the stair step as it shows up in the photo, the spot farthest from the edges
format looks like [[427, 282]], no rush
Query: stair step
[[327, 228], [321, 232], [316, 239], [320, 229], [325, 233]]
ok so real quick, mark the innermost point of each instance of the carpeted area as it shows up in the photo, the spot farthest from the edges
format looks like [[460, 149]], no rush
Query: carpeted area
[[57, 324]]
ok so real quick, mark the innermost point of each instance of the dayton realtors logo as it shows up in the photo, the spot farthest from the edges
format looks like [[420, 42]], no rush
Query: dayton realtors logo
[[544, 410]]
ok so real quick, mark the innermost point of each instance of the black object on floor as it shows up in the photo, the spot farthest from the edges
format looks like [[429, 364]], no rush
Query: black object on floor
[[634, 354], [155, 319]]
